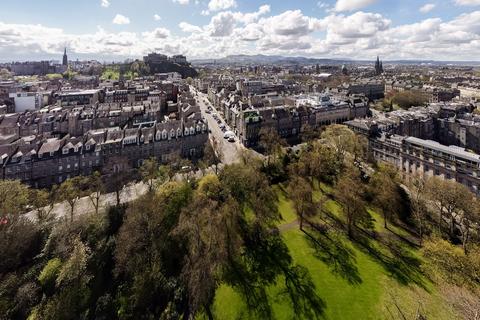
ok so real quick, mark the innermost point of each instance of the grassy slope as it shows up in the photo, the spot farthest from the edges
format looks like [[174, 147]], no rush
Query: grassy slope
[[369, 296]]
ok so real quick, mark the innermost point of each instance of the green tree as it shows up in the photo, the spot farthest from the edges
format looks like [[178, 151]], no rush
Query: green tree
[[451, 198], [469, 223], [342, 140], [301, 193], [95, 189], [385, 188], [150, 172], [211, 156], [418, 201], [14, 198], [271, 142], [70, 191], [409, 98], [349, 192], [43, 203]]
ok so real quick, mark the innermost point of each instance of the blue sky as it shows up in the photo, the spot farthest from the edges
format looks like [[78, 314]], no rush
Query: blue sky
[[118, 29]]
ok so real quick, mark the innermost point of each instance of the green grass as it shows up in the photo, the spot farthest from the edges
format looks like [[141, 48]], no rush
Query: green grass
[[285, 206], [366, 289]]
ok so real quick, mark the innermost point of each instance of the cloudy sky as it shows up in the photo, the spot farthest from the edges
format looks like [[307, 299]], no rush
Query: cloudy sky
[[357, 29]]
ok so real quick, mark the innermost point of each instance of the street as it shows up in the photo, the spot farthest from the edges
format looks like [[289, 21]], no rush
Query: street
[[230, 151]]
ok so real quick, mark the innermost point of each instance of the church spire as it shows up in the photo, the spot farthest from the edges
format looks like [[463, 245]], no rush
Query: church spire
[[378, 66], [65, 57]]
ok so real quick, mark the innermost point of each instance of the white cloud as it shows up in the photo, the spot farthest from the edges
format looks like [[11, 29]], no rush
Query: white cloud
[[189, 28], [182, 2], [217, 5], [156, 17], [427, 8], [158, 33], [105, 3], [352, 5], [290, 23], [121, 19], [467, 2], [359, 35]]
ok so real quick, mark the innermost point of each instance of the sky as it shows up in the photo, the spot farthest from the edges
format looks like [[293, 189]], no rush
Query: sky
[[357, 29]]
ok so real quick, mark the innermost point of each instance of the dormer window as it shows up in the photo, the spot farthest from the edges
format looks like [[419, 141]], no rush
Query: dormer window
[[52, 153], [65, 151], [164, 134], [186, 132], [179, 132], [87, 147], [172, 133], [192, 130]]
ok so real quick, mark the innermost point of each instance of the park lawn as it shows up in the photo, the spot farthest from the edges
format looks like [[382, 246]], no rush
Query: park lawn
[[369, 296], [285, 206], [369, 299]]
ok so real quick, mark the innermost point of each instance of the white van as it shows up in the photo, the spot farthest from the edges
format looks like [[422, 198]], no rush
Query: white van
[[228, 134]]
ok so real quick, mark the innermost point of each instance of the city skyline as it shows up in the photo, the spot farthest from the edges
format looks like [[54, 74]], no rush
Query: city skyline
[[359, 29]]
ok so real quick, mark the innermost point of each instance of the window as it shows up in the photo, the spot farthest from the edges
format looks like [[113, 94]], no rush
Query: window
[[60, 168]]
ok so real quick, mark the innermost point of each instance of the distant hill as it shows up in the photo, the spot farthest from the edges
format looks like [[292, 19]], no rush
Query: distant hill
[[264, 59], [278, 60]]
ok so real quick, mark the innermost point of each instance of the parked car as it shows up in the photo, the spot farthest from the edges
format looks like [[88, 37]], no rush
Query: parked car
[[228, 134]]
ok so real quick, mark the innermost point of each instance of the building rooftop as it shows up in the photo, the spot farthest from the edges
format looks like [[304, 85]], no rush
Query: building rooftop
[[451, 150]]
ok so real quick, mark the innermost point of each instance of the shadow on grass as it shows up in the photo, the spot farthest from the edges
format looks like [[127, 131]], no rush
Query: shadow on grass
[[401, 264], [330, 248]]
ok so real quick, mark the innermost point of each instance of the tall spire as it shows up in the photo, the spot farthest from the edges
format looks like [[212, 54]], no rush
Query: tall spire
[[65, 57], [378, 66]]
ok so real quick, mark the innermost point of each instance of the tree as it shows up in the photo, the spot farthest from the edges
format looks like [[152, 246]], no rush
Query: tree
[[451, 198], [349, 193], [308, 133], [147, 255], [14, 198], [384, 187], [95, 189], [271, 142], [117, 182], [70, 191], [212, 155], [43, 203], [417, 193], [469, 221], [342, 139], [5, 74], [211, 231], [409, 98], [301, 193], [150, 172], [116, 174]]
